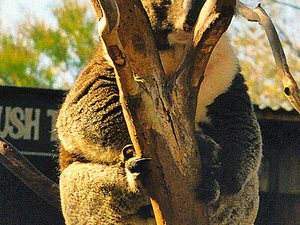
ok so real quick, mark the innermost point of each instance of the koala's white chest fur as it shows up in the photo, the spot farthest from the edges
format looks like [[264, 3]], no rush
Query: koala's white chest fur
[[220, 71]]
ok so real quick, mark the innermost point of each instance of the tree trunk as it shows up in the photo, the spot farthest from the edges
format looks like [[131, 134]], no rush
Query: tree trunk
[[160, 113]]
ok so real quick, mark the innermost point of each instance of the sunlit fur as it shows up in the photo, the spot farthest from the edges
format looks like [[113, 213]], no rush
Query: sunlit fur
[[98, 194]]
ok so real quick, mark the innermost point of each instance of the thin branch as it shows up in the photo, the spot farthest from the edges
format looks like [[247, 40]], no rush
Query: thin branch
[[29, 174], [291, 89], [123, 70]]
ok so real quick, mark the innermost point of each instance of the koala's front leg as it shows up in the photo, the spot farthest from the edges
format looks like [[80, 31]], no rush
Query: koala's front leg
[[240, 156], [238, 134], [208, 190], [234, 127], [93, 193], [239, 153], [137, 168]]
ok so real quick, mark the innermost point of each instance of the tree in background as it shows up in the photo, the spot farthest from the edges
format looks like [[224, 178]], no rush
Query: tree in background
[[41, 56], [255, 55], [52, 57]]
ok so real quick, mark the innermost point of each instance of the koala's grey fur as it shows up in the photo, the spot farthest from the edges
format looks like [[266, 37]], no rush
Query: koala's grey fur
[[96, 185]]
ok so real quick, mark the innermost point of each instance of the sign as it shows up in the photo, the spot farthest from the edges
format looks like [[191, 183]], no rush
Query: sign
[[28, 116]]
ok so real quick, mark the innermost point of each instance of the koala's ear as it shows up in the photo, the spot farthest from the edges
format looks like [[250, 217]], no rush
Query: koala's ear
[[128, 152]]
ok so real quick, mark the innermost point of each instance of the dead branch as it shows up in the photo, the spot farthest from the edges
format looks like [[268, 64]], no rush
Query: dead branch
[[291, 89], [160, 117], [12, 159]]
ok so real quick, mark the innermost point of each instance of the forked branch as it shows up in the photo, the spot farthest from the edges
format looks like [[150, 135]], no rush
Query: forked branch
[[291, 89], [160, 124]]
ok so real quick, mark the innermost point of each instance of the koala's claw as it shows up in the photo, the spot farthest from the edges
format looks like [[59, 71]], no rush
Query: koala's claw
[[208, 191], [138, 165], [128, 152], [133, 163]]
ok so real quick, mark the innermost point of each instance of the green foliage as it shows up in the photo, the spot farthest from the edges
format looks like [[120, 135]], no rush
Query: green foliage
[[38, 55], [43, 56]]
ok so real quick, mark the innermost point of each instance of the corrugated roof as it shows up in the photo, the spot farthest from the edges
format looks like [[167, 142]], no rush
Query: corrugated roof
[[278, 113], [276, 106]]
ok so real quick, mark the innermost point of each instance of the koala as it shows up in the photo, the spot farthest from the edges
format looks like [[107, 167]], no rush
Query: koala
[[101, 178]]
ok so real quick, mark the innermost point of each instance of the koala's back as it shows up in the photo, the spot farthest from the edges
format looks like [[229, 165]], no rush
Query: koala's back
[[90, 123], [94, 187]]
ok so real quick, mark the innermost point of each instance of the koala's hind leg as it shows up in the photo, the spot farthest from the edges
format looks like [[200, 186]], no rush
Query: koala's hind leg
[[66, 158], [94, 194]]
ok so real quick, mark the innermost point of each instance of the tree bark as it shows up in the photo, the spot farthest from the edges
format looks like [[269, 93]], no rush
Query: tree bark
[[290, 87], [160, 113]]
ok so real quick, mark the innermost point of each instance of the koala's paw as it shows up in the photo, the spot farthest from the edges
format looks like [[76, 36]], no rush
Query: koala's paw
[[138, 165], [208, 191], [134, 164], [230, 183], [209, 188]]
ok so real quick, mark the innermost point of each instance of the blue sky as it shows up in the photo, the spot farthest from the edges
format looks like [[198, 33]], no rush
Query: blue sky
[[13, 12]]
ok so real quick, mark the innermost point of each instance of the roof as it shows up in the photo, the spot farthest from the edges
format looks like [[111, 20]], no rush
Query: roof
[[282, 114]]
